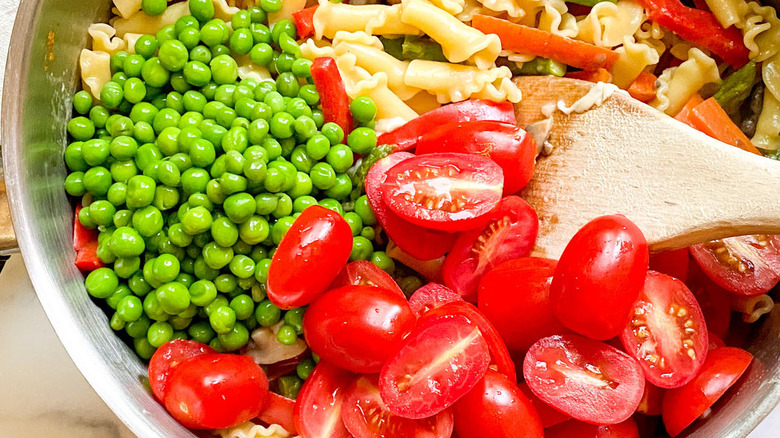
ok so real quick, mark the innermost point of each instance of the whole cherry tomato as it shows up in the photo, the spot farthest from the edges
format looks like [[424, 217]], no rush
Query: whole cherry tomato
[[167, 357]]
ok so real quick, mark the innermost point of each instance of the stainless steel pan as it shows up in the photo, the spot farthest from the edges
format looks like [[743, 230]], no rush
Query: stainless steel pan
[[41, 77]]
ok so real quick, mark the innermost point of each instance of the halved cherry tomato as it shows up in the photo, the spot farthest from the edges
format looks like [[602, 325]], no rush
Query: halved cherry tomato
[[496, 408], [279, 410], [682, 406], [440, 361], [586, 379], [667, 333], [519, 290], [357, 327], [448, 192], [167, 357], [82, 236], [215, 391], [505, 143], [746, 265], [673, 263], [320, 402], [499, 354], [549, 415], [365, 273], [599, 277], [509, 234], [419, 242], [430, 296], [713, 300], [309, 257], [365, 415], [578, 429], [651, 400]]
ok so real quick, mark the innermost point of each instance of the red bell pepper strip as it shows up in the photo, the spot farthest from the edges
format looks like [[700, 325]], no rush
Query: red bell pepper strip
[[87, 258], [405, 137], [333, 95], [81, 235], [598, 75], [304, 21], [700, 27], [525, 39]]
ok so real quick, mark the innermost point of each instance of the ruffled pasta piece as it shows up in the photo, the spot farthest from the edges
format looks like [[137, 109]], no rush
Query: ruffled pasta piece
[[95, 70], [224, 11], [144, 24], [751, 308], [661, 101], [454, 83], [130, 40], [104, 39], [767, 136], [686, 80], [423, 102], [252, 430], [388, 104], [459, 42], [517, 57], [249, 70], [651, 35], [386, 125], [286, 13], [608, 24], [555, 19], [372, 19], [513, 8], [127, 8], [453, 7], [471, 8], [634, 57]]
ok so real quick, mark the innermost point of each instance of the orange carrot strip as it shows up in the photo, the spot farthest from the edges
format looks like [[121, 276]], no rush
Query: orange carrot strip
[[643, 87], [709, 118], [685, 112], [598, 75]]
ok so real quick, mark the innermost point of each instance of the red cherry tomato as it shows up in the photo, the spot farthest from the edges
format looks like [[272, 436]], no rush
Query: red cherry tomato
[[549, 415], [667, 333], [509, 234], [357, 328], [365, 273], [448, 192], [682, 406], [713, 301], [431, 296], [320, 402], [167, 357], [586, 379], [419, 242], [519, 290], [745, 265], [309, 257], [499, 354], [578, 429], [496, 408], [605, 262], [365, 415], [715, 341], [505, 143], [440, 361], [673, 263], [651, 400], [279, 410], [215, 391]]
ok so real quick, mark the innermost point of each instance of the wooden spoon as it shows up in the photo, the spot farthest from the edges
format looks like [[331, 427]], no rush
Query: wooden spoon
[[678, 185]]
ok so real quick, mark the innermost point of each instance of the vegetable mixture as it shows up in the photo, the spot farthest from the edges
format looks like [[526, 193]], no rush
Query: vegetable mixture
[[307, 218]]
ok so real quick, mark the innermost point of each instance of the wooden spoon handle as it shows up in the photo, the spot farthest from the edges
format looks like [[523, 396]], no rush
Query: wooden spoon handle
[[7, 235]]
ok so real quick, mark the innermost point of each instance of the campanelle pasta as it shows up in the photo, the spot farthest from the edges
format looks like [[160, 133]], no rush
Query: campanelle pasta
[[686, 80], [104, 38], [252, 430], [454, 83], [372, 19], [634, 57], [95, 70], [608, 24], [126, 8]]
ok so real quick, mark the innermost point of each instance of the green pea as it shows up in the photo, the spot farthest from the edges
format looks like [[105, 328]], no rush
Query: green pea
[[354, 221], [99, 115], [202, 332], [190, 37], [283, 63], [166, 118], [214, 192], [165, 198], [286, 335], [82, 102], [196, 220], [95, 151], [236, 139], [364, 210], [154, 74], [159, 333], [143, 112], [305, 127], [216, 256], [202, 152], [267, 314], [133, 66], [302, 202], [271, 5], [275, 101], [383, 261], [121, 148], [220, 49], [294, 319], [362, 249], [323, 176], [280, 228], [166, 33], [73, 157], [257, 132], [118, 295], [362, 140], [201, 54], [222, 319], [202, 10], [241, 41], [194, 180], [101, 283], [301, 67], [169, 174], [140, 191], [255, 170], [74, 184], [224, 232], [81, 128], [166, 268], [173, 297], [341, 189], [226, 283], [146, 46], [340, 157], [258, 14], [304, 368], [332, 204], [102, 212], [303, 186], [333, 132], [237, 337], [283, 26], [143, 348], [111, 95], [130, 308], [197, 73], [143, 132], [226, 116], [254, 230], [203, 292], [239, 207], [265, 203], [97, 180], [308, 93], [242, 267], [224, 69], [290, 386]]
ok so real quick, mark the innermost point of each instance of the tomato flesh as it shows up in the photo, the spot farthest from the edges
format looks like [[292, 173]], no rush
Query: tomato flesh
[[549, 415], [279, 410], [713, 301], [309, 257], [651, 400], [682, 406], [578, 429], [365, 415], [510, 234], [496, 408], [357, 328], [673, 263], [519, 290], [440, 361], [365, 273], [746, 265], [447, 191], [585, 379], [408, 236], [599, 276], [431, 296], [319, 404], [167, 357], [215, 391], [505, 143]]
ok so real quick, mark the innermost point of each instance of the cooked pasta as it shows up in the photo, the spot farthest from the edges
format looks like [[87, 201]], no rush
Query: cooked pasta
[[686, 80], [555, 18], [126, 8], [634, 57], [130, 39], [512, 8], [288, 7], [104, 38], [95, 70], [388, 104], [248, 69], [453, 7], [752, 308], [767, 136], [144, 24], [608, 24], [252, 430], [454, 83], [372, 19]]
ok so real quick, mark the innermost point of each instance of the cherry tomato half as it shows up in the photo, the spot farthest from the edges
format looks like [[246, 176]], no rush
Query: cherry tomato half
[[365, 415], [713, 300], [279, 410], [651, 400], [215, 391], [319, 404], [431, 296], [448, 192], [667, 333], [365, 273], [519, 290], [599, 277], [357, 328], [682, 406], [673, 263], [419, 242], [440, 361], [549, 415], [167, 357], [496, 408], [509, 234], [746, 265], [578, 429], [586, 379], [309, 257], [505, 143]]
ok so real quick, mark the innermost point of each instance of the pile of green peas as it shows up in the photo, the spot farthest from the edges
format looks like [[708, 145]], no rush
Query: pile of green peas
[[193, 177]]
